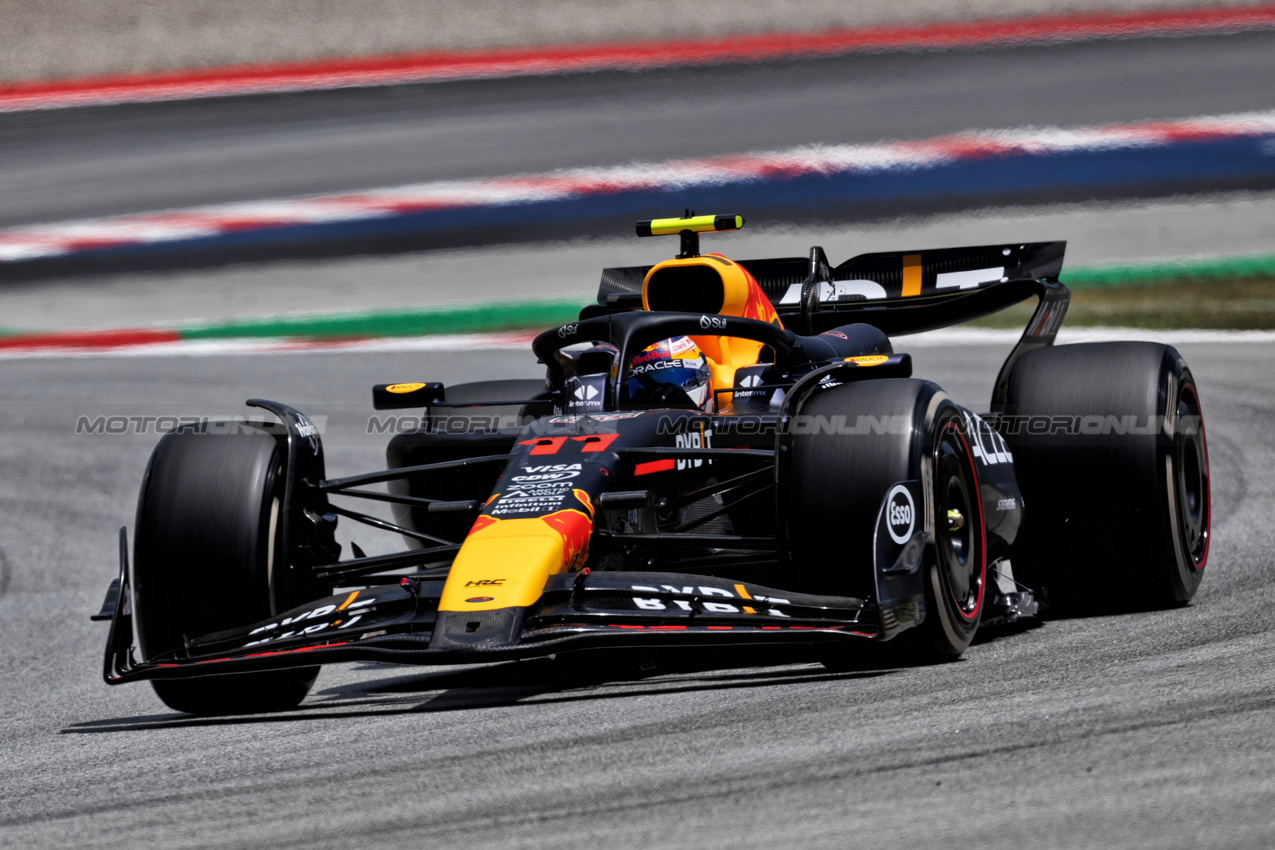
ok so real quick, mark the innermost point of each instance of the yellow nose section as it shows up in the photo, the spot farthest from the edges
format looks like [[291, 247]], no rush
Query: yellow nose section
[[504, 563]]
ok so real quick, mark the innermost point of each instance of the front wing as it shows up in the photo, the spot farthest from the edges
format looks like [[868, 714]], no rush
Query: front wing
[[402, 624]]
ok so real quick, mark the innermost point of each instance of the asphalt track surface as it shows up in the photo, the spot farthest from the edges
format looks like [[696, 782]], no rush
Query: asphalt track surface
[[1096, 234], [76, 163], [1146, 730]]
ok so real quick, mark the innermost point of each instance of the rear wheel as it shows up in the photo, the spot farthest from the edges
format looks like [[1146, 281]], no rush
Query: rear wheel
[[837, 482], [1109, 447], [494, 417], [207, 558]]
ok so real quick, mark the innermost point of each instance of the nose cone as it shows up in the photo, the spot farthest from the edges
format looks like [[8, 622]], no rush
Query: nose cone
[[505, 563]]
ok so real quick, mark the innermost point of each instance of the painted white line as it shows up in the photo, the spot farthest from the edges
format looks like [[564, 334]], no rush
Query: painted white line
[[232, 347], [630, 55], [1066, 336], [1170, 337], [948, 337], [60, 239]]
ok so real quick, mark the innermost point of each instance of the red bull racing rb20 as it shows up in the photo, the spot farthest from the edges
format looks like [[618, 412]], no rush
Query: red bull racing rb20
[[722, 453]]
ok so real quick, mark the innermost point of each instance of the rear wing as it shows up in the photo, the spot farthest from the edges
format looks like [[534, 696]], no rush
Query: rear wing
[[899, 292]]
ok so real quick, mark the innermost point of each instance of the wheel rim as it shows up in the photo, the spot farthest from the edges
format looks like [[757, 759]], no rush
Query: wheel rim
[[960, 546], [1191, 478]]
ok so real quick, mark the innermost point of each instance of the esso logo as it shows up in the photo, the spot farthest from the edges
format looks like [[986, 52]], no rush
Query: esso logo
[[900, 514]]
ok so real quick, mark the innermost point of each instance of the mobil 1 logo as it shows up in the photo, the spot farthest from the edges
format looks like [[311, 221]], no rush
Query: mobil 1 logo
[[900, 514]]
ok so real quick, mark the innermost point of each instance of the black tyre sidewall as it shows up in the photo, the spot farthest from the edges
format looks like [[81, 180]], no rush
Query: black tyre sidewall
[[468, 419], [244, 693], [455, 434], [1103, 530], [201, 535], [950, 626], [205, 539], [1189, 560], [832, 487]]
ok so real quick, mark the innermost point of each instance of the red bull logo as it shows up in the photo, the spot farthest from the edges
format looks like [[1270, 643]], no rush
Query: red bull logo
[[512, 558], [758, 306], [655, 351], [482, 522], [575, 528]]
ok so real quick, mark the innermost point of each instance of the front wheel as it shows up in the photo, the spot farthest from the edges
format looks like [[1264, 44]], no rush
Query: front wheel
[[841, 470], [207, 558], [957, 563]]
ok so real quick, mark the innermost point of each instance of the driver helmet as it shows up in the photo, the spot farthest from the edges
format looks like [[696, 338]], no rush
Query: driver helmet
[[670, 365]]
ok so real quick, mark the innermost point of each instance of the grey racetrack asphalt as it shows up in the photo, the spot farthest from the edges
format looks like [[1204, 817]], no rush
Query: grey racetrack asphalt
[[1151, 730], [75, 163], [1146, 730]]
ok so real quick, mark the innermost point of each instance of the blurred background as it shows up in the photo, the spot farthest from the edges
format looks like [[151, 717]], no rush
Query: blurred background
[[230, 177], [232, 169]]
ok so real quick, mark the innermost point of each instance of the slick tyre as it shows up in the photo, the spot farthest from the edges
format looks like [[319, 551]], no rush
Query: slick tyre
[[1109, 449], [205, 555], [455, 420], [836, 485]]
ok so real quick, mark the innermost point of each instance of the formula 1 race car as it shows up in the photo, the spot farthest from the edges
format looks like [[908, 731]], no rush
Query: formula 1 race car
[[722, 453]]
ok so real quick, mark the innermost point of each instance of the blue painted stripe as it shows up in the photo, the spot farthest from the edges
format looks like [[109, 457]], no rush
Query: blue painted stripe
[[1229, 162]]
